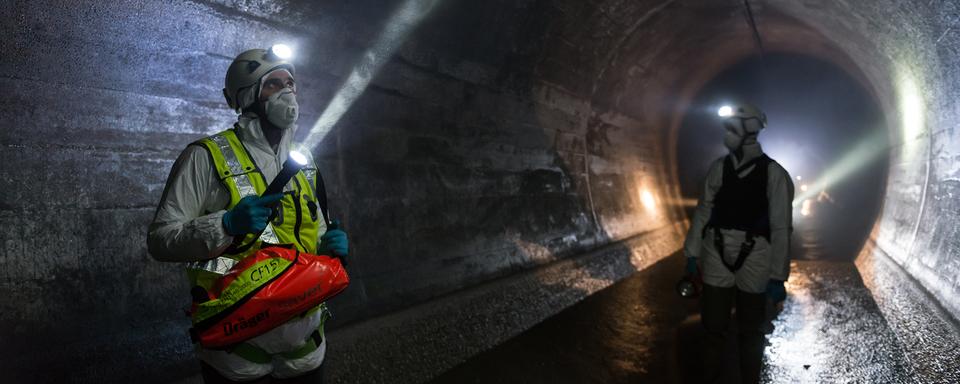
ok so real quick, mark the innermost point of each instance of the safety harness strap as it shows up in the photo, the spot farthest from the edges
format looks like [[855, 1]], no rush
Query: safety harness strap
[[749, 241]]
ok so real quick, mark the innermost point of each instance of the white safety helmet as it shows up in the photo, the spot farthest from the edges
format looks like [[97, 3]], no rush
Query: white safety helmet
[[744, 111], [244, 74]]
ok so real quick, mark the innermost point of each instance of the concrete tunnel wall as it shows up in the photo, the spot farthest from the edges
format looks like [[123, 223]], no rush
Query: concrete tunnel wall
[[502, 136], [457, 166]]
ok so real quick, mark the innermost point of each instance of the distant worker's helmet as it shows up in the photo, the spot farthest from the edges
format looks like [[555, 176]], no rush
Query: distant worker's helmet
[[744, 111], [246, 71]]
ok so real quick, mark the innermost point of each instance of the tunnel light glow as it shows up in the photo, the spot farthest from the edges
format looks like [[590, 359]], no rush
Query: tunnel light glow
[[799, 178], [647, 199], [824, 196], [398, 26], [685, 203], [911, 105], [282, 51], [298, 157], [725, 111], [805, 208], [804, 188]]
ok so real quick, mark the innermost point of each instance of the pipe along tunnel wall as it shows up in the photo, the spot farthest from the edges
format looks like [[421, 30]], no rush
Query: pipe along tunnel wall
[[495, 171]]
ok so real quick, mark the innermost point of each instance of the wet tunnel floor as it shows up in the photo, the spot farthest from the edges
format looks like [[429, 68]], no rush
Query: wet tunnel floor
[[639, 331]]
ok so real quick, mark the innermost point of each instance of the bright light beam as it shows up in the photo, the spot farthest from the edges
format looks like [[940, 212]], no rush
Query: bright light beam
[[866, 151], [403, 20]]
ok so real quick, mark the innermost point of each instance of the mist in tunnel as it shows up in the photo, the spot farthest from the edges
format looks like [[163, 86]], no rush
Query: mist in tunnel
[[820, 119]]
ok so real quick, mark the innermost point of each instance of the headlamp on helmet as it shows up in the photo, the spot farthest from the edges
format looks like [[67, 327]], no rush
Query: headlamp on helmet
[[743, 112]]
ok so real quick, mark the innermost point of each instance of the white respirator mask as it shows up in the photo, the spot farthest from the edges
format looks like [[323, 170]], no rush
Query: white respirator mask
[[734, 136], [282, 109]]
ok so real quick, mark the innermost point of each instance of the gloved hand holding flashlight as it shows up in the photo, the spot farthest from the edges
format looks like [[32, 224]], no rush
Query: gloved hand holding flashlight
[[334, 241], [250, 215]]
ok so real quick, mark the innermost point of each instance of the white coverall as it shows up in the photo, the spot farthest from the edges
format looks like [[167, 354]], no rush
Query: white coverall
[[188, 227], [768, 260]]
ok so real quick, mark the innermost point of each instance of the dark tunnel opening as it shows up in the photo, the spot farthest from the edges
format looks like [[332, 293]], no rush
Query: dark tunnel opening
[[825, 129]]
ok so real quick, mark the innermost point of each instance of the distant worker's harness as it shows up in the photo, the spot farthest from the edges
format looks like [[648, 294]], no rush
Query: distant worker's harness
[[741, 204]]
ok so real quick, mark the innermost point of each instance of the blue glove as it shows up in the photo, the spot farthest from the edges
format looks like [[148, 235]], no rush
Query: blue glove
[[250, 215], [691, 266], [334, 241], [776, 291]]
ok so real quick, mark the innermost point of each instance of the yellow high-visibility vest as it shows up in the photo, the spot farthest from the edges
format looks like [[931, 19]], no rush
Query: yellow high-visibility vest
[[296, 225]]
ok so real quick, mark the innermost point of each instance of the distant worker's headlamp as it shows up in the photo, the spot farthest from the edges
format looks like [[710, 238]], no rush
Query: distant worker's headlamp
[[281, 51], [743, 112], [725, 111]]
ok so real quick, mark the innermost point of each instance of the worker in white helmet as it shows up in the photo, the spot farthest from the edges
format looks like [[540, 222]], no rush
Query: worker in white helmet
[[212, 215], [740, 234]]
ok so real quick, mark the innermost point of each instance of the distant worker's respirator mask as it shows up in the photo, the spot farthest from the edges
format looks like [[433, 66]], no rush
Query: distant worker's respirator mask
[[742, 123]]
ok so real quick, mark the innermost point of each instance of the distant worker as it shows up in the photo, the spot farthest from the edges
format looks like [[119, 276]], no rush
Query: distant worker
[[741, 235], [211, 204]]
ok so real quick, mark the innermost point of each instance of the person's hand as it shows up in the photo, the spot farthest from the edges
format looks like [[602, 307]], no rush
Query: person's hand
[[776, 291], [250, 215], [691, 266], [334, 241]]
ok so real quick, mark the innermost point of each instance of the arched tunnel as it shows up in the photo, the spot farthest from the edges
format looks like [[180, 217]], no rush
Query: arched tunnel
[[516, 179]]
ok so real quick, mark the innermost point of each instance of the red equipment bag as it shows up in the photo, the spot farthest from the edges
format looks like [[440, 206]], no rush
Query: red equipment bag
[[263, 291]]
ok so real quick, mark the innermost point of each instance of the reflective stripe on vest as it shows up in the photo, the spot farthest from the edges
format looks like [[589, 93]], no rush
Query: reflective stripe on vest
[[295, 225]]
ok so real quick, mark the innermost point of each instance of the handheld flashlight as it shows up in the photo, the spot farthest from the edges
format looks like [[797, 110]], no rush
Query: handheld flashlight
[[295, 161], [690, 286]]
